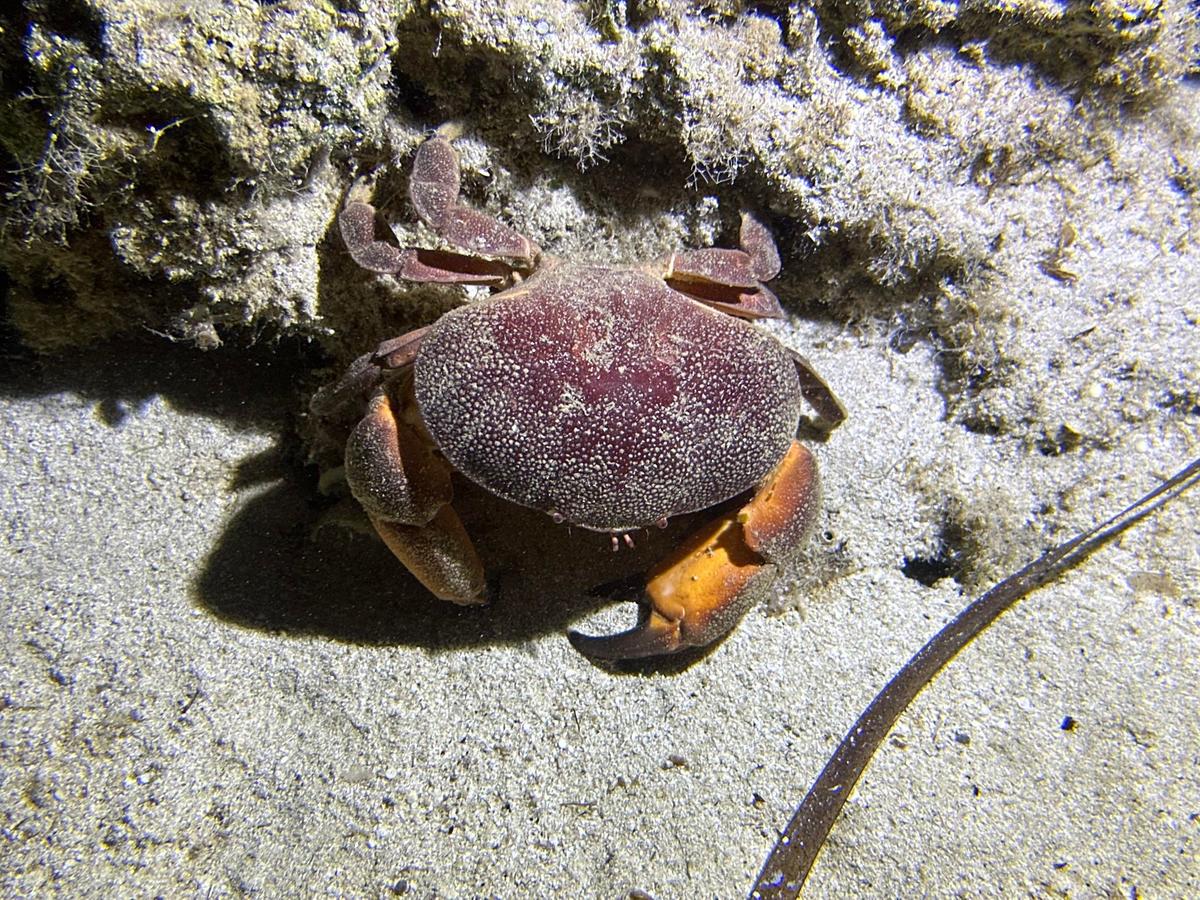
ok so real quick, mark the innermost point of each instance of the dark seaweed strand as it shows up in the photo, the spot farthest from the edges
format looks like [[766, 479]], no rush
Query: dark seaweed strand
[[788, 865]]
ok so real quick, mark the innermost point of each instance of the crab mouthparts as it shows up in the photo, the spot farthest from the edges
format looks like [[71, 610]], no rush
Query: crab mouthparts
[[626, 537]]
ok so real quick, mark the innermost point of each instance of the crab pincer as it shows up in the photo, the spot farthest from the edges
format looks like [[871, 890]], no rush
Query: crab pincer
[[722, 570]]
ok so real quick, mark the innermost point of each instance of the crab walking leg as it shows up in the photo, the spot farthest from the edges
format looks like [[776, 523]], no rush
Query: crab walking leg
[[757, 241], [723, 569], [357, 223], [830, 411], [434, 187], [732, 281], [406, 491], [756, 262]]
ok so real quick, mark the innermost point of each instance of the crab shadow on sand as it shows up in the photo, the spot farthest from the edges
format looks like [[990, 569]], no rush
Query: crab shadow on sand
[[279, 565]]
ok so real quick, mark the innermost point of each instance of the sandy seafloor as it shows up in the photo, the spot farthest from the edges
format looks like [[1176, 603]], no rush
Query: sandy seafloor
[[200, 697], [203, 692]]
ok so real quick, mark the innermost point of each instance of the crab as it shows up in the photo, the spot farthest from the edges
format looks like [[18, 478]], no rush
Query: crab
[[609, 397]]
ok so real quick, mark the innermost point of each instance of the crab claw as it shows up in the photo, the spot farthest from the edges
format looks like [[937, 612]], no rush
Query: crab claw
[[727, 566], [654, 635]]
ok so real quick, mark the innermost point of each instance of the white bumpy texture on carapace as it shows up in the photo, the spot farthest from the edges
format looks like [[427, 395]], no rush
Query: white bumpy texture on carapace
[[606, 398]]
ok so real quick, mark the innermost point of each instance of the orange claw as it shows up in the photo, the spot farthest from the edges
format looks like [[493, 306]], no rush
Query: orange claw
[[703, 590]]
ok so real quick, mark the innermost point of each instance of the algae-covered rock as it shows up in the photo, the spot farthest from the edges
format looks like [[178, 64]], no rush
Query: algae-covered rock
[[939, 171], [167, 162]]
